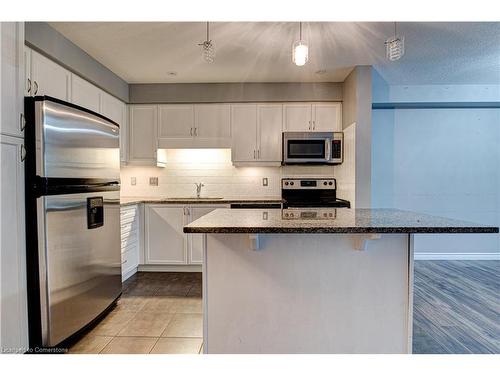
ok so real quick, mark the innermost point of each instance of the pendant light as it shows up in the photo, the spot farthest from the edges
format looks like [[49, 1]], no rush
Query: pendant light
[[208, 48], [300, 50], [395, 46]]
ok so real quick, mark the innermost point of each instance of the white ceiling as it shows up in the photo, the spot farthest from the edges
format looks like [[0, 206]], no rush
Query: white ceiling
[[436, 53]]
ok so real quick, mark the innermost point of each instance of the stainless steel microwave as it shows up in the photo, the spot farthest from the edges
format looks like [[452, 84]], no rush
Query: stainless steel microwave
[[312, 147]]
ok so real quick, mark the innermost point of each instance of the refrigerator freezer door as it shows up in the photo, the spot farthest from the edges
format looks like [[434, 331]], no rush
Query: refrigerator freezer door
[[80, 262], [75, 143]]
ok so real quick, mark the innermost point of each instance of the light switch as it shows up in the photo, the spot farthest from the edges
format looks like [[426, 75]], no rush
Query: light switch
[[265, 182], [153, 181], [133, 181]]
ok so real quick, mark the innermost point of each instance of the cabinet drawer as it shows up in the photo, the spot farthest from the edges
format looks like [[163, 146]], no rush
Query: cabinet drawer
[[128, 214], [130, 242], [128, 228], [130, 260]]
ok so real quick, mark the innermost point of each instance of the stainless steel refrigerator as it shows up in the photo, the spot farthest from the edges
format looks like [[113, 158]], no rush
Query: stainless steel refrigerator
[[72, 218]]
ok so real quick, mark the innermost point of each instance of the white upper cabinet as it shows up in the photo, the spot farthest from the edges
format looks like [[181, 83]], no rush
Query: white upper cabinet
[[297, 117], [143, 125], [244, 130], [85, 94], [116, 110], [175, 125], [327, 117], [12, 78], [256, 132], [320, 117], [212, 125], [27, 71], [194, 126], [49, 78], [269, 132]]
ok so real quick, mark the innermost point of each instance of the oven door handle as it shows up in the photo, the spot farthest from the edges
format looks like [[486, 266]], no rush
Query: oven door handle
[[328, 155]]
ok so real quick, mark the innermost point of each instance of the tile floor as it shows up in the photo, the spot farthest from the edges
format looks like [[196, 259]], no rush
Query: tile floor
[[158, 313]]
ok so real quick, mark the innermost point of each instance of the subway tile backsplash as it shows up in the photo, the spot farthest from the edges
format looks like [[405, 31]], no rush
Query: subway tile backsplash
[[213, 168]]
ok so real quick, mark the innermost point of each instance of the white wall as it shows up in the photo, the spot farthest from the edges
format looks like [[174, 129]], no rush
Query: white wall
[[440, 161], [212, 167]]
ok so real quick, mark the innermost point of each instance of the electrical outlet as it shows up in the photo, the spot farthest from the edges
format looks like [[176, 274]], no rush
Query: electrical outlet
[[265, 181], [153, 181], [133, 181]]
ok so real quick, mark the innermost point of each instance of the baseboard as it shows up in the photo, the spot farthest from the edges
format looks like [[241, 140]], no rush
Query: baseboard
[[169, 268], [457, 256]]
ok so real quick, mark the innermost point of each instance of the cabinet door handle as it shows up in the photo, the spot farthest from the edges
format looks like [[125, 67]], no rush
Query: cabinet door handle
[[258, 153], [36, 87], [191, 132], [22, 122], [195, 132], [309, 124], [254, 154], [23, 153], [314, 124], [29, 85]]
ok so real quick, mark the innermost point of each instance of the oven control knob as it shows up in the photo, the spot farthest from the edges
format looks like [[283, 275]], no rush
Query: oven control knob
[[286, 215], [291, 183], [324, 214], [324, 183], [330, 214], [330, 183], [286, 183]]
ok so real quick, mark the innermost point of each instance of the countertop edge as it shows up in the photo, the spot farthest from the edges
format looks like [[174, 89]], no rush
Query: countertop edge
[[195, 201], [344, 230]]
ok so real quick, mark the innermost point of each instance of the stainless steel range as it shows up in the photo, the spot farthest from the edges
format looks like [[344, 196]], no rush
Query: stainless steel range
[[311, 192], [311, 198]]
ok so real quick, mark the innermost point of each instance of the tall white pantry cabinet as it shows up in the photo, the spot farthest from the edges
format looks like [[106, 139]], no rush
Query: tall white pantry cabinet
[[13, 292]]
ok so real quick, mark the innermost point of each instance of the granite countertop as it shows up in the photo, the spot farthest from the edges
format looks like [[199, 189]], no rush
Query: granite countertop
[[346, 221], [125, 201]]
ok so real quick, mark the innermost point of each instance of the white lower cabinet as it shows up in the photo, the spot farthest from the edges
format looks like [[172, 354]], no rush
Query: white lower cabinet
[[130, 239], [13, 291], [196, 240], [164, 240], [165, 243]]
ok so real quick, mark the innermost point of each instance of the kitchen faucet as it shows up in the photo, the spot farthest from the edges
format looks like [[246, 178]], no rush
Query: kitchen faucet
[[198, 189]]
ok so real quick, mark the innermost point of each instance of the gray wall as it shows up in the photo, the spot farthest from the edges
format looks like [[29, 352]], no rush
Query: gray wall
[[234, 92], [44, 39], [357, 107]]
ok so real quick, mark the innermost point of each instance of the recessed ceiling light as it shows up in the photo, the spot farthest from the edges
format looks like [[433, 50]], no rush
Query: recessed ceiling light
[[171, 74], [321, 71]]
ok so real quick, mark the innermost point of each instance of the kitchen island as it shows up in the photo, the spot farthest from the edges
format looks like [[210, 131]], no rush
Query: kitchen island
[[338, 282]]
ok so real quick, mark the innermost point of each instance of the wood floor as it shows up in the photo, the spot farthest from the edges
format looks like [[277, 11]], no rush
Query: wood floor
[[456, 307]]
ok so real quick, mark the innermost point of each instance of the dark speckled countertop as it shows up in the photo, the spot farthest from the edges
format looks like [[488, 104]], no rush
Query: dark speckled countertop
[[346, 221], [126, 201]]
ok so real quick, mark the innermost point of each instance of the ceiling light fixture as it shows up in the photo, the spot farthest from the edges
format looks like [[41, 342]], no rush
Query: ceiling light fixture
[[395, 46], [208, 48], [300, 50]]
